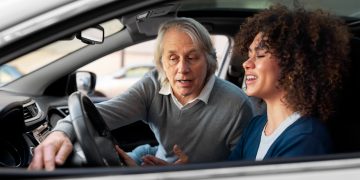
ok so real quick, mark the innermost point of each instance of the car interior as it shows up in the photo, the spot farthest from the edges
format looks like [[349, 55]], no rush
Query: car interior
[[26, 118]]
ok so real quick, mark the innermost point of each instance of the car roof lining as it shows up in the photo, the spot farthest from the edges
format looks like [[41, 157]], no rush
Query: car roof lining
[[147, 22], [216, 21]]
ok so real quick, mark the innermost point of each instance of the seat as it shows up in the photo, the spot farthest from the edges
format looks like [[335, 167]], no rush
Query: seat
[[344, 126]]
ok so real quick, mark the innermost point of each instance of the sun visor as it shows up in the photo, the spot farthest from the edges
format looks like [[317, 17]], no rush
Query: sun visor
[[148, 22]]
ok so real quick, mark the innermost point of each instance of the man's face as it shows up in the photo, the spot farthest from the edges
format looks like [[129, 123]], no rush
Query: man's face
[[185, 65]]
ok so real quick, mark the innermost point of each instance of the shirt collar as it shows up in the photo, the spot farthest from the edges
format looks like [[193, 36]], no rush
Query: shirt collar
[[203, 96]]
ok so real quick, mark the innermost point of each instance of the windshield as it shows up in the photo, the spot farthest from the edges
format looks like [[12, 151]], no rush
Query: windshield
[[50, 53], [54, 51]]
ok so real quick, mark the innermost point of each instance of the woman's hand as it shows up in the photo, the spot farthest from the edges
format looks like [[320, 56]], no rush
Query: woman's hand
[[126, 158], [149, 160]]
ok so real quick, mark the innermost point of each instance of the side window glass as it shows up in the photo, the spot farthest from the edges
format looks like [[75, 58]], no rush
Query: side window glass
[[221, 44], [41, 57], [137, 72], [118, 71]]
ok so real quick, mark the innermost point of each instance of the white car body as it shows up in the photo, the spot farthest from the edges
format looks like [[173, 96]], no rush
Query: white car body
[[29, 25]]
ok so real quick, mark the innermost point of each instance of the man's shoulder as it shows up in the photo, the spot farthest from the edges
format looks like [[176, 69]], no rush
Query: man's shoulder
[[152, 74], [151, 77], [148, 83], [227, 88], [227, 93]]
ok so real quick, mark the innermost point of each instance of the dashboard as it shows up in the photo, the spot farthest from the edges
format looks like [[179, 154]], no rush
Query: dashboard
[[24, 123]]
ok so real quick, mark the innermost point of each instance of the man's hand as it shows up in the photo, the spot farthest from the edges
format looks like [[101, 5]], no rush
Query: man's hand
[[53, 151], [150, 160]]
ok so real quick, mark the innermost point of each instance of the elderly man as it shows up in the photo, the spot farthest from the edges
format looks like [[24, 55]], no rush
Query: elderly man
[[182, 101]]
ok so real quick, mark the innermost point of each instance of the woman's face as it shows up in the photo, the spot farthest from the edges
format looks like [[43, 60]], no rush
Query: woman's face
[[261, 71]]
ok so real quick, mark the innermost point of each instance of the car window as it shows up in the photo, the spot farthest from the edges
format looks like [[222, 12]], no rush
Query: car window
[[41, 57], [8, 73], [137, 72], [118, 71]]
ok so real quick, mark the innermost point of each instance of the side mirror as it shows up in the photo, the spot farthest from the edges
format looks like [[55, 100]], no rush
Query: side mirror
[[83, 81], [92, 35]]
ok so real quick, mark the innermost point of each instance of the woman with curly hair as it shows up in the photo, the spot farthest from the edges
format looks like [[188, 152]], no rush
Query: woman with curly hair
[[296, 61]]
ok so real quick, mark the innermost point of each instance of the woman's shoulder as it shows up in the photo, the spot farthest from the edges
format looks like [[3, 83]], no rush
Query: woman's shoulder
[[309, 123], [306, 136], [258, 121], [308, 127]]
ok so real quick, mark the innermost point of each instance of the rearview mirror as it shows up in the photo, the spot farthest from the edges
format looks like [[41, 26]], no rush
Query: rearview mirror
[[92, 35]]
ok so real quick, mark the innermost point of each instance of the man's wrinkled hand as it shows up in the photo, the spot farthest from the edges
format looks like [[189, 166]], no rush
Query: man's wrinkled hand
[[53, 151]]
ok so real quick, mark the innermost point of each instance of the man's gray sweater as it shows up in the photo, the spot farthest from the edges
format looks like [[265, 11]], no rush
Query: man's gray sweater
[[205, 132]]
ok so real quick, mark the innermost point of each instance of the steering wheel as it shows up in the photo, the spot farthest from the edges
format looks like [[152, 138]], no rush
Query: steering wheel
[[92, 133]]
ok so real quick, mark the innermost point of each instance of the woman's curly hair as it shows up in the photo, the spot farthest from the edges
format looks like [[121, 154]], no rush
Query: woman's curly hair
[[312, 52]]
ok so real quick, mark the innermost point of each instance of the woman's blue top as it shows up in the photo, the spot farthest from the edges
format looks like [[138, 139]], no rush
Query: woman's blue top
[[305, 137]]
